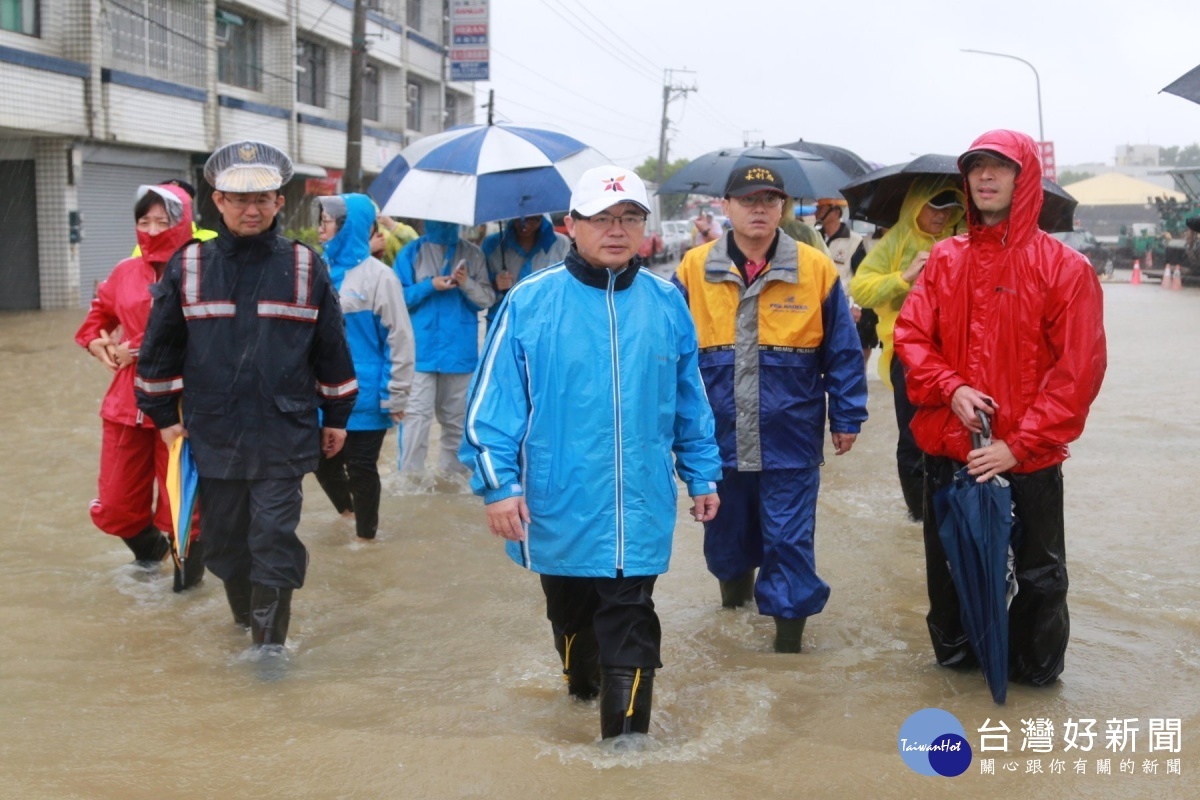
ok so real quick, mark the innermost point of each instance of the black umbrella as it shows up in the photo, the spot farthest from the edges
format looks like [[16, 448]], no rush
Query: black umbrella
[[877, 196], [803, 175], [847, 161], [1186, 86]]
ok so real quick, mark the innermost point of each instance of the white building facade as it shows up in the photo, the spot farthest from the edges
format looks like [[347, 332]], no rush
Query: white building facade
[[102, 96]]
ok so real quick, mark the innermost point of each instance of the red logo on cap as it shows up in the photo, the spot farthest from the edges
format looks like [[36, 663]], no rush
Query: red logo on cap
[[614, 184]]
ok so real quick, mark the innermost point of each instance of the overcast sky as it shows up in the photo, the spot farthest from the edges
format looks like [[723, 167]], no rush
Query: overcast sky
[[885, 78]]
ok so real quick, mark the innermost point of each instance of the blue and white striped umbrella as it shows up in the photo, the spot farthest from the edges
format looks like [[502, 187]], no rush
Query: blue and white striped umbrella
[[481, 173]]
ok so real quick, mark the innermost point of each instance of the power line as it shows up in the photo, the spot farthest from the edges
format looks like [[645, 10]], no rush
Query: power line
[[576, 123], [589, 36], [572, 92], [617, 39]]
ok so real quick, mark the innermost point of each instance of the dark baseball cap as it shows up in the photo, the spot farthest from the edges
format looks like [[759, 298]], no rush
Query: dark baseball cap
[[969, 157], [946, 199], [751, 178]]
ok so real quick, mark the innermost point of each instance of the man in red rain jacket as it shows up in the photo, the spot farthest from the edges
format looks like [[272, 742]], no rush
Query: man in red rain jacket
[[1008, 321]]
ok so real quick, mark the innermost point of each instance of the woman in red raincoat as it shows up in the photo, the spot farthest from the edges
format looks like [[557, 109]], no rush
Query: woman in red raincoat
[[133, 457]]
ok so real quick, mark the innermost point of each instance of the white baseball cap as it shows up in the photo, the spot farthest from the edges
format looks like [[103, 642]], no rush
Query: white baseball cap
[[604, 187]]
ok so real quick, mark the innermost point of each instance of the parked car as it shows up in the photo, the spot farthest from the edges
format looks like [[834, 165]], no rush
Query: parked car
[[1102, 259], [651, 249], [677, 238]]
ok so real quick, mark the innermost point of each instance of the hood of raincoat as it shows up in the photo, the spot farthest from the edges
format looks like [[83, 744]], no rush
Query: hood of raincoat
[[351, 245], [545, 235], [157, 249], [905, 239], [1027, 193], [878, 283], [443, 233]]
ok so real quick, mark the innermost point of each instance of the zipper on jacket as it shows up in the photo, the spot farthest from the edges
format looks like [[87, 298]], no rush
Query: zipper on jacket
[[616, 375]]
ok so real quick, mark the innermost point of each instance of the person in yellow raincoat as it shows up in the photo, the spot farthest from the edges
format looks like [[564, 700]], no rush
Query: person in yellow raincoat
[[931, 211]]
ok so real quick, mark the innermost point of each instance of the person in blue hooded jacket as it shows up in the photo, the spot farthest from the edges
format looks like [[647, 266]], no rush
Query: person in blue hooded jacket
[[380, 336], [523, 246], [446, 285], [590, 380]]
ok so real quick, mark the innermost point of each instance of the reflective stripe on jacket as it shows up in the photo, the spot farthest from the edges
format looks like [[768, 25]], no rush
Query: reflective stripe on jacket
[[587, 384], [772, 351]]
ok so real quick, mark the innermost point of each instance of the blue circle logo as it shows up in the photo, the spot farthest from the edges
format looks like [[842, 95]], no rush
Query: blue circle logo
[[933, 742]]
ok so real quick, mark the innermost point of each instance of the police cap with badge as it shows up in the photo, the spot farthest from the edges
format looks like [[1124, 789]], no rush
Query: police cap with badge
[[248, 166]]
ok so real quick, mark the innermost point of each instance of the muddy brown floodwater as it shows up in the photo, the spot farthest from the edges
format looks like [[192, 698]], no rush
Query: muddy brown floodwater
[[421, 664]]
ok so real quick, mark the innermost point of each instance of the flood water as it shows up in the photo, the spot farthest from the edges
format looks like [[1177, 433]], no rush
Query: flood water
[[421, 665]]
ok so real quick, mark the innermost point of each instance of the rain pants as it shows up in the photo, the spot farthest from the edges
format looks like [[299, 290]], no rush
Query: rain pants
[[133, 458], [773, 355], [1013, 313]]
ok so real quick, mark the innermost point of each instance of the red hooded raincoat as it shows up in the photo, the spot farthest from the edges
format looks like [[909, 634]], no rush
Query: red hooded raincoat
[[1013, 313]]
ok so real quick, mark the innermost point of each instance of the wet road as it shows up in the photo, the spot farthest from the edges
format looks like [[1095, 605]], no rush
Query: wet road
[[421, 664]]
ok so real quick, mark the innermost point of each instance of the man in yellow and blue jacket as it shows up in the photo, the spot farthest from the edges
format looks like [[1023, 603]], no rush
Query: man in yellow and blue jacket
[[776, 339]]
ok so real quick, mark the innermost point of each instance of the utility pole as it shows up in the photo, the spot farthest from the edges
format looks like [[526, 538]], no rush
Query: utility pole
[[671, 90], [352, 179]]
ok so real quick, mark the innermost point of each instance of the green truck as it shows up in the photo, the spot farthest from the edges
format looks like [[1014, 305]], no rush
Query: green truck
[[1171, 241]]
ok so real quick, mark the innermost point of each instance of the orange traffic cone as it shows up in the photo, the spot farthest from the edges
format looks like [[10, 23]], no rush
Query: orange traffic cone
[[1177, 278], [1136, 280], [1166, 278]]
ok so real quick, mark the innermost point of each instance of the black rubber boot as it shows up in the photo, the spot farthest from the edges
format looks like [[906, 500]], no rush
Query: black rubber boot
[[912, 484], [149, 546], [193, 568], [270, 610], [788, 634], [737, 592], [626, 695], [237, 592], [580, 655]]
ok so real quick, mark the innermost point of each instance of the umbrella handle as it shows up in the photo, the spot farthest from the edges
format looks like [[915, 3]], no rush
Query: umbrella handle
[[984, 438]]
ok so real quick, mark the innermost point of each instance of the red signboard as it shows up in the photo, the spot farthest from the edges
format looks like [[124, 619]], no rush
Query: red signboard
[[1049, 169]]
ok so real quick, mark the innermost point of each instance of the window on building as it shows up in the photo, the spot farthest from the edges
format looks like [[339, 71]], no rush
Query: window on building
[[20, 16], [239, 50], [370, 92], [159, 38], [310, 73], [413, 14], [414, 106], [451, 110]]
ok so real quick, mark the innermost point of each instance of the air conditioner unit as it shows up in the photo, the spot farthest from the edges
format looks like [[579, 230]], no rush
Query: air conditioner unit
[[414, 93], [225, 19]]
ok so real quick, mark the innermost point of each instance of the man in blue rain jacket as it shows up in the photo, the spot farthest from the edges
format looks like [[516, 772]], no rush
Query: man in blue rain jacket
[[589, 381]]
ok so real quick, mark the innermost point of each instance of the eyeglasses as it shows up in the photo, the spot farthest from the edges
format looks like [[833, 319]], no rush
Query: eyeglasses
[[238, 200], [625, 221], [325, 221], [766, 199]]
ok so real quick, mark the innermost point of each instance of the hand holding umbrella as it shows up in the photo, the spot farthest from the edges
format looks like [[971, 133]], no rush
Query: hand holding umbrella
[[975, 526]]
